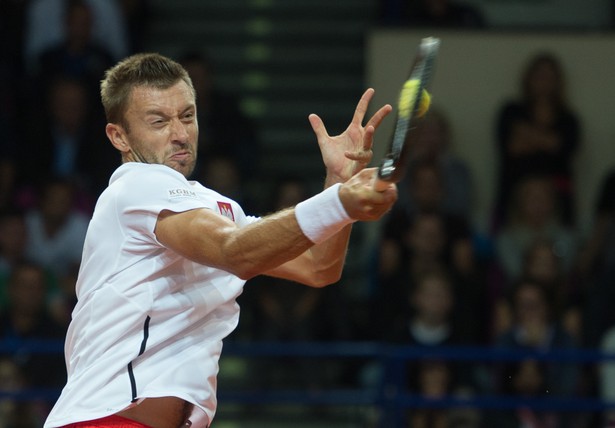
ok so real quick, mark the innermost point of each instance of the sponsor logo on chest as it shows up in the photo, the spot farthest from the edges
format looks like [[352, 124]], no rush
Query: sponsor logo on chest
[[182, 193]]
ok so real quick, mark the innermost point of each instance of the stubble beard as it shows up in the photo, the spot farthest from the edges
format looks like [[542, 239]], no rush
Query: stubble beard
[[184, 167]]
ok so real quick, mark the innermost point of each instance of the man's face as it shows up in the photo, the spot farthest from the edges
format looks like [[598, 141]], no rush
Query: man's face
[[163, 128]]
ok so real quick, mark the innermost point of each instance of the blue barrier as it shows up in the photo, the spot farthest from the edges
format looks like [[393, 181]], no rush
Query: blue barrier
[[395, 399], [400, 352], [394, 394], [31, 346], [412, 401]]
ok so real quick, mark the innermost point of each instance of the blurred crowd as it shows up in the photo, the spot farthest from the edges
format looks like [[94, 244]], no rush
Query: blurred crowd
[[534, 282]]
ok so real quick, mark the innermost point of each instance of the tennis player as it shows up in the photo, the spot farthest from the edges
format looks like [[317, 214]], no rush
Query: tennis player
[[165, 258]]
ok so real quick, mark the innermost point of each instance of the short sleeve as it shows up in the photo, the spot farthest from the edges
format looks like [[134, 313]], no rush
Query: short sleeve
[[146, 190]]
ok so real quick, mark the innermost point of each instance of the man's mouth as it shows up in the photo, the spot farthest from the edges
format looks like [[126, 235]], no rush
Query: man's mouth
[[180, 156]]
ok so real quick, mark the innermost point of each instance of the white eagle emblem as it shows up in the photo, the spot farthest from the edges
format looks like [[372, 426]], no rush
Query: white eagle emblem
[[226, 210]]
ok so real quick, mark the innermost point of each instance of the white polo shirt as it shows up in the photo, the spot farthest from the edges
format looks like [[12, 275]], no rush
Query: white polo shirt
[[148, 322]]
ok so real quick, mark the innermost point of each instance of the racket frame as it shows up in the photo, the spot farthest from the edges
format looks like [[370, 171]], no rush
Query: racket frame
[[392, 166]]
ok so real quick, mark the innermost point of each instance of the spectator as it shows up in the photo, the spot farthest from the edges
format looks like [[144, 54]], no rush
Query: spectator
[[538, 133], [77, 55], [525, 379], [535, 328], [429, 315], [66, 143], [425, 189], [437, 317], [422, 248], [596, 265], [27, 317], [15, 413], [434, 381], [534, 216], [431, 318], [434, 145], [45, 27], [401, 244], [56, 230], [543, 265]]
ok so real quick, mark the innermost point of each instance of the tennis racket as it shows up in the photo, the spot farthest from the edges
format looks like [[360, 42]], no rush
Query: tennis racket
[[392, 167]]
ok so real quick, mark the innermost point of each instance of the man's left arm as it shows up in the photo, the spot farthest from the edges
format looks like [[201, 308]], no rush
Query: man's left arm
[[343, 156]]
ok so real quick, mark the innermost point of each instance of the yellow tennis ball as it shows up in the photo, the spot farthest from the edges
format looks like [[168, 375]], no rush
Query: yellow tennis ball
[[407, 98]]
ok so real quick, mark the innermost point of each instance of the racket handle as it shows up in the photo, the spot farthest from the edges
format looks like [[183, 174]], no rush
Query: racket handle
[[380, 185]]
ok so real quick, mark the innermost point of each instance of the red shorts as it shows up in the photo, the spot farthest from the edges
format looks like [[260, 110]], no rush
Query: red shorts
[[113, 421]]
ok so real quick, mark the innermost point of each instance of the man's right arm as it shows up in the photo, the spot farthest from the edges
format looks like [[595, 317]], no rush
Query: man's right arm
[[213, 240]]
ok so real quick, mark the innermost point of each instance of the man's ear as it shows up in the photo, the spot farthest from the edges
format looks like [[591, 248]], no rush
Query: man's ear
[[117, 136]]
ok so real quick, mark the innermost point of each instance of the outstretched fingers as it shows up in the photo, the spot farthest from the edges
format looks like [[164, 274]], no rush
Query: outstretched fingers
[[361, 110], [318, 126], [377, 118], [363, 105]]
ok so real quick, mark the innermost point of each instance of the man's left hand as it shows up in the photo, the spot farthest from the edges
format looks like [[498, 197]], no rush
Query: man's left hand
[[346, 154]]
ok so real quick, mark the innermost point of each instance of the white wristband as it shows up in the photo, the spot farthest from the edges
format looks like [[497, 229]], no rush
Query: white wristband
[[322, 215]]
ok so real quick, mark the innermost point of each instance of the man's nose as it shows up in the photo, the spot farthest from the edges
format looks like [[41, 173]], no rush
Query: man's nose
[[179, 131]]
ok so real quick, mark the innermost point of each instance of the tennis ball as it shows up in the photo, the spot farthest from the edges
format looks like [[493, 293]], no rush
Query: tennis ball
[[407, 99], [425, 103]]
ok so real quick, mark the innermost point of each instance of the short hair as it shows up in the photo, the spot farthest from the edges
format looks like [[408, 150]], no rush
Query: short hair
[[143, 69]]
